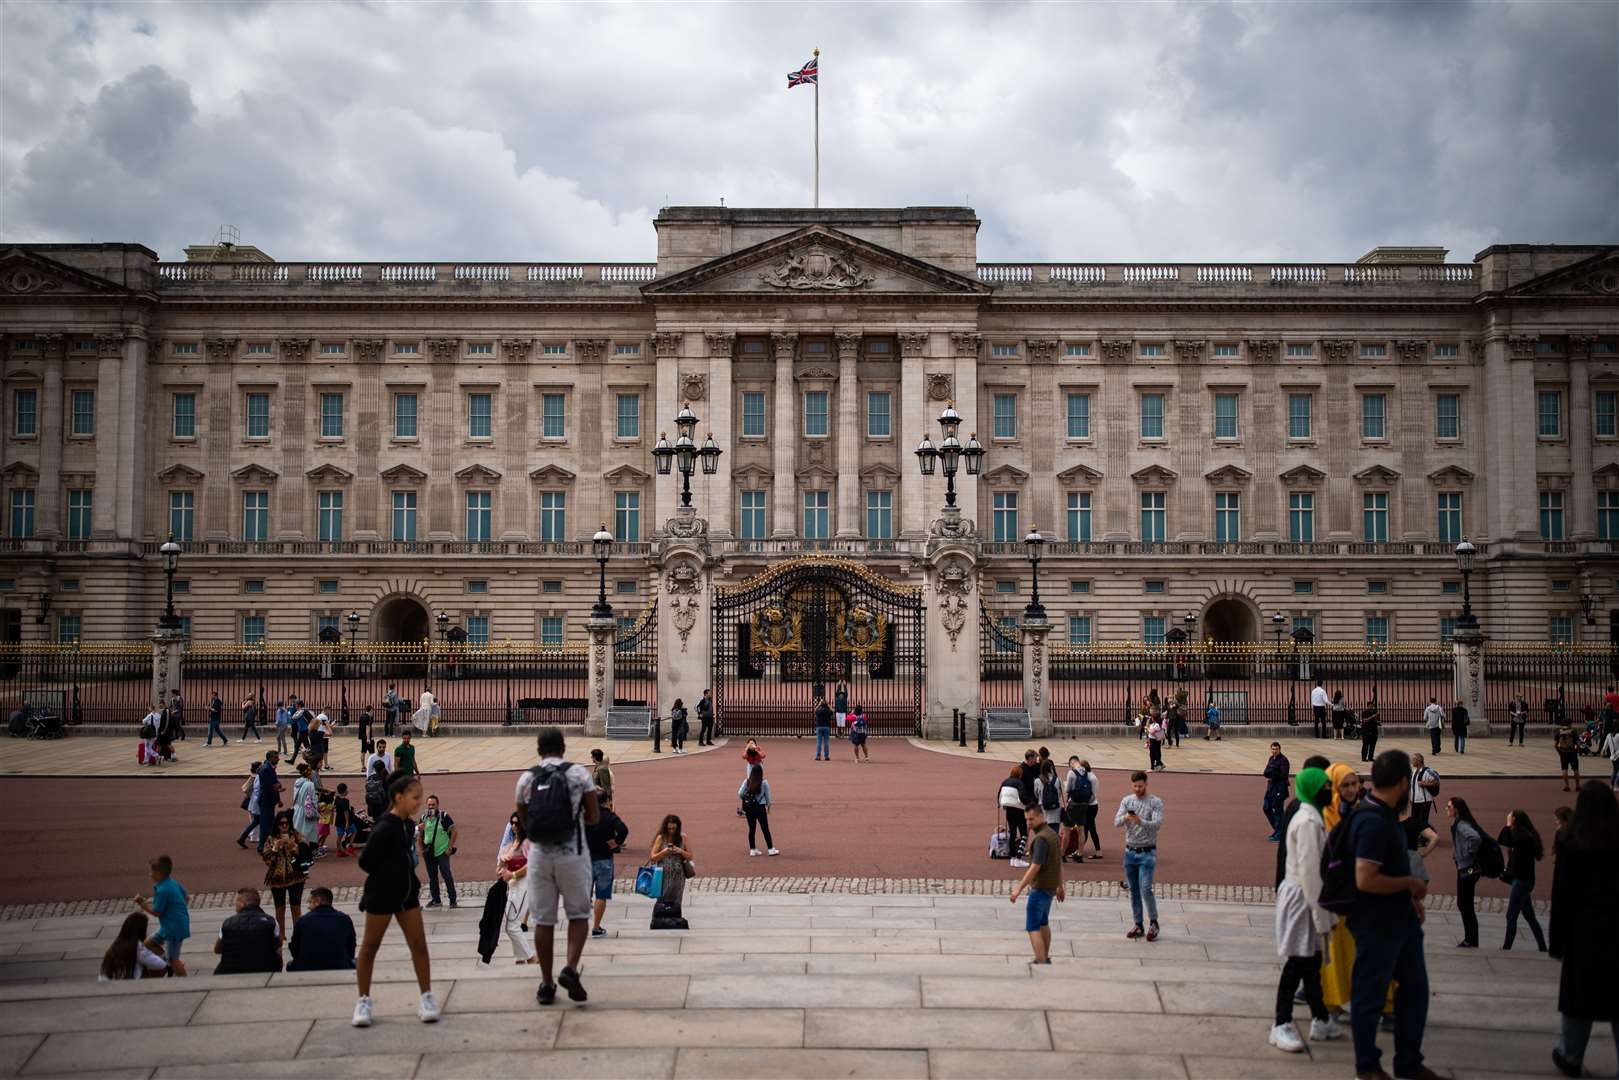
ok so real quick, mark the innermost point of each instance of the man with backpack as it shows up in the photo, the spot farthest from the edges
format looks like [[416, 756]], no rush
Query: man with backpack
[[390, 705], [1568, 753], [1383, 901], [557, 800], [1079, 792], [1424, 790]]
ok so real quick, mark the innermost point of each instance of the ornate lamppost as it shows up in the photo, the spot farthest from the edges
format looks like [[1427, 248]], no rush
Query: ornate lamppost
[[1465, 554], [951, 454], [171, 562], [685, 453], [1035, 545], [602, 546]]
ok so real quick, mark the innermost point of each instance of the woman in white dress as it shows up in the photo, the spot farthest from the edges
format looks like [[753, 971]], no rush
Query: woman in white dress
[[512, 867], [423, 716], [1302, 925]]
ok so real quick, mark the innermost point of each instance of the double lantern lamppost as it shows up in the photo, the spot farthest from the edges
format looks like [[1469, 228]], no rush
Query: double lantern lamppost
[[950, 453], [685, 453]]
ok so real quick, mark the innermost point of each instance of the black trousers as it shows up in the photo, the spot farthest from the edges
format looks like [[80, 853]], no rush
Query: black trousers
[[1090, 827], [758, 816], [1516, 732], [1155, 753], [1368, 747], [1466, 882], [1419, 814], [1297, 970], [1320, 721], [1433, 737], [390, 717], [705, 737], [1017, 832]]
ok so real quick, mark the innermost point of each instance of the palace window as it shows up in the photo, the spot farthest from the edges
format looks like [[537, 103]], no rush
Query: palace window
[[256, 516], [751, 526], [1227, 517], [1373, 416], [1300, 350], [1561, 628], [185, 348], [753, 414], [1004, 517], [407, 348], [478, 630], [1549, 414], [1377, 630], [879, 515], [480, 416], [1079, 517], [182, 514], [1377, 588], [404, 516], [550, 586], [1079, 629], [627, 516], [553, 416], [1079, 416], [331, 416], [329, 516], [1448, 416], [1608, 515], [629, 416], [481, 348], [79, 502], [22, 513], [252, 629], [1073, 350], [879, 418], [626, 350], [817, 515], [1152, 629], [551, 629], [1225, 416], [1450, 517], [553, 517], [1301, 517], [1551, 515], [554, 350], [67, 629], [1152, 416], [1003, 350], [1373, 352], [1152, 517], [258, 416], [1226, 351], [404, 416], [1151, 351], [1375, 517], [1005, 416], [480, 515], [185, 416], [815, 413], [259, 348], [326, 585], [1447, 629], [84, 413], [1298, 416], [1446, 352], [1304, 588], [1606, 404]]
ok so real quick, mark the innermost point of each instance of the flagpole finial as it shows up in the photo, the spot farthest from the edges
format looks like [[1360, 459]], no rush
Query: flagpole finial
[[815, 52]]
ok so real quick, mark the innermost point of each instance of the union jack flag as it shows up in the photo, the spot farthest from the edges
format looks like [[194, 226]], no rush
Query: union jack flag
[[804, 75]]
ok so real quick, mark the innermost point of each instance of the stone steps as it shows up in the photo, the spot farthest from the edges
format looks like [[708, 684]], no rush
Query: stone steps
[[857, 985]]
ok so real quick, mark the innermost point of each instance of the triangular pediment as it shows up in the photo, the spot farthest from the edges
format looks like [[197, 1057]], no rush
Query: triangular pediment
[[1609, 471], [1451, 474], [1228, 474], [328, 474], [815, 261], [254, 474], [816, 472], [552, 474], [1154, 476], [1006, 475], [1597, 275], [403, 474], [180, 474], [627, 474], [1303, 476], [752, 476], [879, 471], [1080, 474], [28, 273], [1377, 474], [19, 470], [478, 474]]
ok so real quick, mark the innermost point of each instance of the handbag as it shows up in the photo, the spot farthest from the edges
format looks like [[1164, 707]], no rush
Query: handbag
[[689, 867], [649, 881]]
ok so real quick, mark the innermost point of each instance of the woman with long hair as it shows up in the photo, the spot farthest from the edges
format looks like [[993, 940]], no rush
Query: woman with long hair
[[305, 803], [1009, 798], [1521, 842], [1465, 839], [376, 791], [671, 851], [755, 796], [1338, 971], [283, 870], [391, 894], [678, 727], [511, 866], [1048, 792], [128, 957], [1585, 922]]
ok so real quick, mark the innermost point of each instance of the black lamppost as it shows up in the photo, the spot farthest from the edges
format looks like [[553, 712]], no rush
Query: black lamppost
[[1035, 545], [685, 452], [950, 452], [1277, 619], [1588, 605], [354, 628], [1190, 622], [1465, 554], [171, 562], [602, 545]]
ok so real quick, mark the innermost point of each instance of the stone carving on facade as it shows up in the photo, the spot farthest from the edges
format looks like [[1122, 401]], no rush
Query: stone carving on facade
[[517, 349], [913, 343], [667, 344], [110, 346], [849, 344], [1476, 350], [1337, 350], [444, 350], [952, 526], [823, 373], [966, 344], [221, 349], [693, 386], [590, 350], [720, 344], [1189, 350], [682, 584], [1603, 280], [954, 587], [1522, 346], [941, 387], [816, 268], [686, 527], [1579, 346], [26, 279], [1264, 350], [599, 663], [1411, 350], [1115, 351], [50, 345], [1037, 663], [1042, 350], [368, 350], [782, 344], [293, 350]]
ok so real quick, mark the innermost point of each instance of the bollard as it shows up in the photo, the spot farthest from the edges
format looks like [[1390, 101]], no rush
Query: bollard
[[982, 740], [961, 739], [657, 735], [955, 724]]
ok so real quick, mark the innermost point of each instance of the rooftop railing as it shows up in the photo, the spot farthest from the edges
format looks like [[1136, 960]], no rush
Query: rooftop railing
[[1460, 275], [446, 276]]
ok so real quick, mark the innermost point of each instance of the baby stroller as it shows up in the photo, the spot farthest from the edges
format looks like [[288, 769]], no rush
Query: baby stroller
[[1351, 724]]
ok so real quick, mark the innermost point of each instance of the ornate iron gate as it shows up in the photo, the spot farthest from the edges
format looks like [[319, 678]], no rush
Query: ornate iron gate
[[803, 627]]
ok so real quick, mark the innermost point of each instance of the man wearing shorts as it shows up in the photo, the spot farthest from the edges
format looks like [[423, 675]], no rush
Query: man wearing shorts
[[559, 866], [1043, 879], [605, 839], [1568, 754]]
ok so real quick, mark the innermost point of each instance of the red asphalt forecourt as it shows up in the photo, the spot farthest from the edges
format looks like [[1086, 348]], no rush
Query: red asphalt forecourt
[[909, 813]]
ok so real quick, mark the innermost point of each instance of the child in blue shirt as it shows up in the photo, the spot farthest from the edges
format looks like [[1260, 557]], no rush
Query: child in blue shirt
[[168, 906]]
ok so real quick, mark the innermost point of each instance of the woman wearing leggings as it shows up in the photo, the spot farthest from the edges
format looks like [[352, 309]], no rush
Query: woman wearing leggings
[[1017, 826]]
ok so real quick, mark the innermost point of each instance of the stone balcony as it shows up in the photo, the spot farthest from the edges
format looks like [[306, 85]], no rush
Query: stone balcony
[[449, 280], [1250, 281]]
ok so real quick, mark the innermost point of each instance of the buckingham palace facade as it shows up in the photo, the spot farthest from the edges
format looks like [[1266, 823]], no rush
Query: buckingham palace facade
[[1222, 441]]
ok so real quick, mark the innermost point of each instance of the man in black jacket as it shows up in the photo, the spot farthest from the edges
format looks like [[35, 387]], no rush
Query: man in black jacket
[[249, 941], [606, 839], [705, 713], [323, 939]]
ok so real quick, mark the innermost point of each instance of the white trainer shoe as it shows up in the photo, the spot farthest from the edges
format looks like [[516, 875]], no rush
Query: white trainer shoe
[[427, 1011], [1325, 1030], [753, 851], [362, 1013], [1286, 1037], [1019, 863], [775, 851]]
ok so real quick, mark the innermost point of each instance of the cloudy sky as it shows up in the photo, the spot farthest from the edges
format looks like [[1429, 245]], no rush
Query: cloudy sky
[[1290, 131]]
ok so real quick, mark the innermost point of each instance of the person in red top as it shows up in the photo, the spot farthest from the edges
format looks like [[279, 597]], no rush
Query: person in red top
[[752, 755]]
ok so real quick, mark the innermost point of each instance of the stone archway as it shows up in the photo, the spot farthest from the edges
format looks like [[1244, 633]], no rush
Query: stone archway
[[401, 620], [1231, 620]]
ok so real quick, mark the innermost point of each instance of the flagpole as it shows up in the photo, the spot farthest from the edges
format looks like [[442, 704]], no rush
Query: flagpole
[[817, 54]]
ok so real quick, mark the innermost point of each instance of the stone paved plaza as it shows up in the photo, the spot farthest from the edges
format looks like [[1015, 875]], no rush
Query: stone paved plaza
[[780, 985]]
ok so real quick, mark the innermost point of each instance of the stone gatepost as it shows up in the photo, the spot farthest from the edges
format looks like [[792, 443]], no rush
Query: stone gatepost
[[602, 630], [685, 614], [167, 648], [1037, 675], [951, 670], [1468, 680]]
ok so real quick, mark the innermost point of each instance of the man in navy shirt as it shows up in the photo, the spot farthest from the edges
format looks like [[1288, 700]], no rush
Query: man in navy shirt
[[1386, 922], [1276, 777], [323, 939], [269, 796]]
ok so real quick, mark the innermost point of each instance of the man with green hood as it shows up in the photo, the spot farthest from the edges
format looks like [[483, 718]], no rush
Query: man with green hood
[[1301, 923]]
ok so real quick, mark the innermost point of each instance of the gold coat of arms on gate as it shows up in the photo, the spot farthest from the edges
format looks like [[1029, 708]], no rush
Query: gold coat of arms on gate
[[776, 630], [861, 631]]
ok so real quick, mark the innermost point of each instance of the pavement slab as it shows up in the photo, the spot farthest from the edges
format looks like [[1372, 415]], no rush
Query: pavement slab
[[737, 1028], [801, 1064], [453, 1033], [355, 1067], [588, 1064], [82, 1051], [922, 1028], [1051, 1065]]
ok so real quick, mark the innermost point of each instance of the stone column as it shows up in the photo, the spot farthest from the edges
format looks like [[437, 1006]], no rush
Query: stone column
[[518, 516], [167, 647], [1580, 434], [1265, 521], [1117, 510], [593, 422], [685, 646], [668, 395], [1037, 676], [968, 403], [372, 521], [48, 508], [1192, 502], [291, 504], [109, 420], [1510, 451], [850, 433], [436, 421], [784, 438], [721, 492], [951, 634], [1341, 414], [601, 630], [1412, 434], [1039, 409], [134, 447], [912, 421], [1469, 678]]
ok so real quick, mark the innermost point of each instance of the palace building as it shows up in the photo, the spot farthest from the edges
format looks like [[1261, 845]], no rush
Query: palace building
[[1214, 440]]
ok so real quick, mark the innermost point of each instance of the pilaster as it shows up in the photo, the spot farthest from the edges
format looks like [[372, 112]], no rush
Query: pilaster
[[134, 449], [1040, 409], [849, 435], [952, 634], [969, 403], [48, 507], [721, 491], [110, 417], [912, 423], [685, 623], [601, 630], [367, 395], [167, 646], [1580, 434], [1468, 678], [1037, 676], [784, 438]]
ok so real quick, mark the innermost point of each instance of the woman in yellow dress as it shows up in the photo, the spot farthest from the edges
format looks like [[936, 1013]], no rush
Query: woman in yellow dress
[[1337, 972]]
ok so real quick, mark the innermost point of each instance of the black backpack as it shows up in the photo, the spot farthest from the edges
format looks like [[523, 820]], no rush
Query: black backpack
[[1048, 797], [1338, 889], [1079, 789], [551, 816], [1489, 861]]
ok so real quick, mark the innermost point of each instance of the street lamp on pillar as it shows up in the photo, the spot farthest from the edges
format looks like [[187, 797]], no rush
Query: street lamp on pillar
[[951, 454], [1588, 605], [1465, 554], [1191, 626], [354, 627], [1035, 545], [171, 562], [602, 545], [684, 453], [443, 620]]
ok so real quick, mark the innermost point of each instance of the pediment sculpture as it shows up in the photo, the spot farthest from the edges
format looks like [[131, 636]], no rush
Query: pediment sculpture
[[817, 267]]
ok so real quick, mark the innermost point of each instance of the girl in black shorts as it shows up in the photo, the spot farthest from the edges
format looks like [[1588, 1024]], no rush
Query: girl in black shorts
[[390, 893]]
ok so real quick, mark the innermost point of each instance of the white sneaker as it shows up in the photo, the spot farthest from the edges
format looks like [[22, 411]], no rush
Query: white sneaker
[[1286, 1037], [1325, 1030], [427, 1011], [1019, 863], [753, 851], [362, 1013], [775, 851]]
